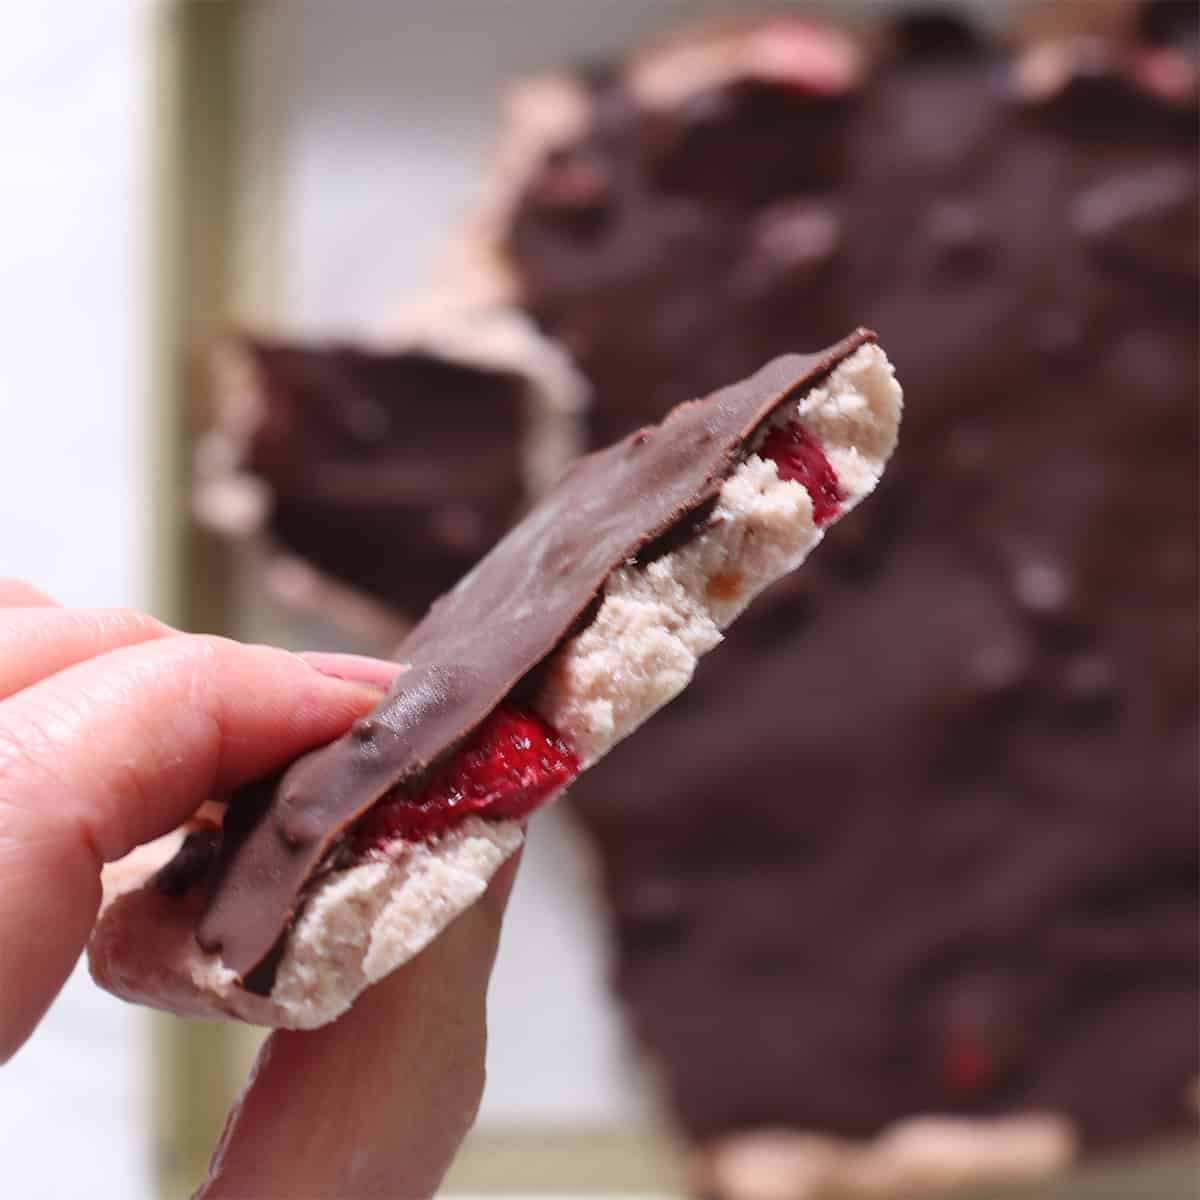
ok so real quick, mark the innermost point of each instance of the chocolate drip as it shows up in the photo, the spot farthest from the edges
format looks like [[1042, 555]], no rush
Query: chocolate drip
[[479, 640]]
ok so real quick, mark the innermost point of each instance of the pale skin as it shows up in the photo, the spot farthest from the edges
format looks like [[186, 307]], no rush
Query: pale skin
[[114, 728]]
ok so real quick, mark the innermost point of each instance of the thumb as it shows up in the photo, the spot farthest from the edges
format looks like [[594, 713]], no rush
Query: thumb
[[375, 1104]]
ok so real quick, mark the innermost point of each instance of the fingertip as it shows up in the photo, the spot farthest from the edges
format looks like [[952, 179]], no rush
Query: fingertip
[[16, 593], [353, 668]]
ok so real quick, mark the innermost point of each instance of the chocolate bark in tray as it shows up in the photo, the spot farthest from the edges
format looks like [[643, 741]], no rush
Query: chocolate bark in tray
[[924, 839]]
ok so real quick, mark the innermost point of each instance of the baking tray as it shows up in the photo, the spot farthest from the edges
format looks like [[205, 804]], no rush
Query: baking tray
[[263, 108]]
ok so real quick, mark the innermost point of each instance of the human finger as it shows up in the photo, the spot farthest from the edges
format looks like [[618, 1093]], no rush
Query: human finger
[[120, 749], [375, 1104]]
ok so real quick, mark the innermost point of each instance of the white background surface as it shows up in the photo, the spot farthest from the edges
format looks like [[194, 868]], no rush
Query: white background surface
[[74, 167]]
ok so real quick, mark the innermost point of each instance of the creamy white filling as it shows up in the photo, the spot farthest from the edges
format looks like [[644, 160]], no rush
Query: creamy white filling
[[656, 620]]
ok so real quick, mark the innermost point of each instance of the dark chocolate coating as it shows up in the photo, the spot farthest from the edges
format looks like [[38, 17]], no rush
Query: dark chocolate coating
[[923, 838], [481, 639], [191, 865], [391, 472]]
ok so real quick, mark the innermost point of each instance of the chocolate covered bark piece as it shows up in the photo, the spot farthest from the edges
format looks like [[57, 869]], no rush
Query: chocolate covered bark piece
[[392, 472], [587, 617], [388, 469], [924, 839]]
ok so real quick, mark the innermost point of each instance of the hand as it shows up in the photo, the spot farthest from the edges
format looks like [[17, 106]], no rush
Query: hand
[[114, 728]]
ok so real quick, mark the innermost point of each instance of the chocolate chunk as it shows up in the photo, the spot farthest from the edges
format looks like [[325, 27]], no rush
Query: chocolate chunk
[[482, 638], [934, 778]]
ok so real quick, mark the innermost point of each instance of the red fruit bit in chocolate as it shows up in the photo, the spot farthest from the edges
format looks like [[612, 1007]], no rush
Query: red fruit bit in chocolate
[[512, 765], [967, 1067], [798, 455]]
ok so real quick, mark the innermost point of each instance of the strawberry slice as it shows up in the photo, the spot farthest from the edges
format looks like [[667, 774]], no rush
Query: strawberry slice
[[512, 764], [798, 455]]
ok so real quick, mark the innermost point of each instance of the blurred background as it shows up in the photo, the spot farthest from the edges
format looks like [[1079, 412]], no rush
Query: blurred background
[[303, 170]]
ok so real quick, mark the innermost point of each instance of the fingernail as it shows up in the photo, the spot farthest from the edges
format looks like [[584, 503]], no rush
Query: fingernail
[[353, 668]]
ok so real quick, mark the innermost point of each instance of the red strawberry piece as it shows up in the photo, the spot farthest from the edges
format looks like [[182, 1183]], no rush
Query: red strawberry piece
[[512, 764], [798, 455]]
